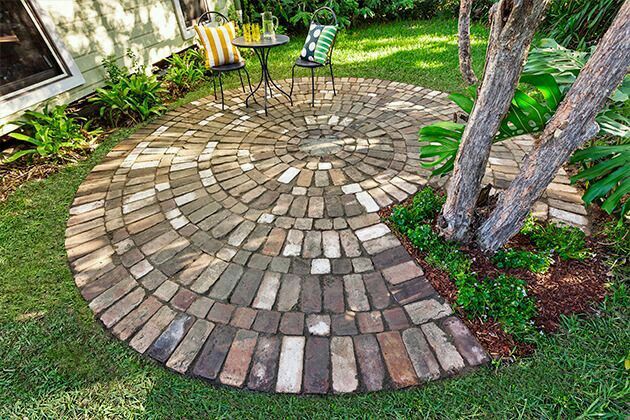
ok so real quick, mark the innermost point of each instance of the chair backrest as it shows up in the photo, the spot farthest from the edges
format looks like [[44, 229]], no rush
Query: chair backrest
[[321, 14], [212, 17]]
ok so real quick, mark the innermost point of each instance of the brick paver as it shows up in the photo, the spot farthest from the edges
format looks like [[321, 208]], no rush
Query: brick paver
[[246, 250]]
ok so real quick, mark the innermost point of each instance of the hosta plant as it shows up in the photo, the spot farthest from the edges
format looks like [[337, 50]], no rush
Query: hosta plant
[[52, 133]]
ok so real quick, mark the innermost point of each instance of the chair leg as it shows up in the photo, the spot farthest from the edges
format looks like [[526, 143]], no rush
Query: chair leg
[[292, 81], [312, 86], [221, 86], [248, 80], [214, 85], [241, 77], [332, 76]]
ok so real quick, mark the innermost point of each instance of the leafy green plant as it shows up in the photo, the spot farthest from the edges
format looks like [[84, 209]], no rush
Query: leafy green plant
[[423, 207], [503, 298], [52, 133], [129, 98], [439, 253], [578, 24], [515, 258], [608, 179], [185, 71], [527, 114], [568, 242]]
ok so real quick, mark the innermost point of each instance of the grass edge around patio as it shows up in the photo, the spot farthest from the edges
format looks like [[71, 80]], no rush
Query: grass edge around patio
[[57, 361]]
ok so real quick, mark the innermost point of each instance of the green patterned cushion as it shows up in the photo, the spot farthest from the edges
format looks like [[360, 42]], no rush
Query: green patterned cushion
[[318, 43]]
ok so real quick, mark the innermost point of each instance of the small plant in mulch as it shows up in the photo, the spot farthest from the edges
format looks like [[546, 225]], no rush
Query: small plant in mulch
[[44, 142], [544, 272]]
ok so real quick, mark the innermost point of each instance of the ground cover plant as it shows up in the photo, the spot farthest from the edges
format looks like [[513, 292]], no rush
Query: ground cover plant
[[506, 287]]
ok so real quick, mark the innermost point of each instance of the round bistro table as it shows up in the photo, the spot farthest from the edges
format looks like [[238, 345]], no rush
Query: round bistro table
[[261, 49]]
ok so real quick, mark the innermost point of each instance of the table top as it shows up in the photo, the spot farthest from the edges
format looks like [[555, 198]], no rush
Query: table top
[[263, 43]]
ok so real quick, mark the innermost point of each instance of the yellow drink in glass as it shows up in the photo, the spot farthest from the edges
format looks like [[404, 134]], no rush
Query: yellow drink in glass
[[247, 32], [255, 32]]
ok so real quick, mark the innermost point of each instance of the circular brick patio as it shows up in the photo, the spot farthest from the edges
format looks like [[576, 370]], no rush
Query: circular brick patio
[[246, 249]]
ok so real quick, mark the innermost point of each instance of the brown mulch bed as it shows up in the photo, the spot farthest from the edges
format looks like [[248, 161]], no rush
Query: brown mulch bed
[[12, 176], [569, 287]]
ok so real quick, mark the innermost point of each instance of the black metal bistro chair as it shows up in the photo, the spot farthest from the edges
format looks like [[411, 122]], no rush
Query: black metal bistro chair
[[300, 62], [209, 18]]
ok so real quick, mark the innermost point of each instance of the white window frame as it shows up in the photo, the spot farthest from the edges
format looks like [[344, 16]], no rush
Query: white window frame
[[26, 97], [188, 32]]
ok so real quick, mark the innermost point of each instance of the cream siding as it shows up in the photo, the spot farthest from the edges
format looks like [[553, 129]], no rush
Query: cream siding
[[94, 29]]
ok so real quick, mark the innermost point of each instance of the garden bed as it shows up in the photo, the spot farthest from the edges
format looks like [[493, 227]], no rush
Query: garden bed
[[569, 286]]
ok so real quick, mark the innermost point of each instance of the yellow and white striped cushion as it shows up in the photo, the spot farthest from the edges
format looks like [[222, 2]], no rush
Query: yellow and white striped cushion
[[217, 44]]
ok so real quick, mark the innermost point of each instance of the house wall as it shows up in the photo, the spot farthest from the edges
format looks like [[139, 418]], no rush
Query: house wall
[[94, 29]]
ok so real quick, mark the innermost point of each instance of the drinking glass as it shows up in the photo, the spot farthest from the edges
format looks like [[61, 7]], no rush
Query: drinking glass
[[247, 32], [255, 32]]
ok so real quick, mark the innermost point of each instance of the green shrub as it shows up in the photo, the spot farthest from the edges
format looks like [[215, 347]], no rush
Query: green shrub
[[128, 98], [504, 299], [568, 242], [52, 134], [423, 208], [439, 253], [295, 15], [185, 71], [514, 258]]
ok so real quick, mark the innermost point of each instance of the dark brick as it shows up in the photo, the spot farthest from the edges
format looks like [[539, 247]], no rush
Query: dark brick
[[221, 312], [213, 353], [333, 295], [267, 321], [246, 288], [370, 363], [316, 365], [412, 290], [162, 348], [183, 299], [395, 318], [343, 324], [391, 257], [292, 323], [377, 290], [262, 375], [311, 299]]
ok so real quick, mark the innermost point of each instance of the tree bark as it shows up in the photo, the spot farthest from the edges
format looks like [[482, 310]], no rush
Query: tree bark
[[513, 25], [572, 125], [463, 30]]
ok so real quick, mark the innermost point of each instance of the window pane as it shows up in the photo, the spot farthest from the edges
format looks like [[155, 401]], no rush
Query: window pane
[[192, 9], [25, 58]]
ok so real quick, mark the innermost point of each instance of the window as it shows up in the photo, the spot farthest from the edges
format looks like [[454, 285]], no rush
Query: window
[[188, 11], [34, 66]]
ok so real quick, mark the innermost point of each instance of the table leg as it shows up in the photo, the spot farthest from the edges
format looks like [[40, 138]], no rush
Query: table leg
[[265, 79]]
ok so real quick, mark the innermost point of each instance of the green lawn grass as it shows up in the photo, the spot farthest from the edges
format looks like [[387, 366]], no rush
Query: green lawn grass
[[56, 361]]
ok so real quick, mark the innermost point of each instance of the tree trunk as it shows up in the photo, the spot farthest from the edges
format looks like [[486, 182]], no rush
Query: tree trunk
[[572, 125], [513, 25], [463, 29]]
